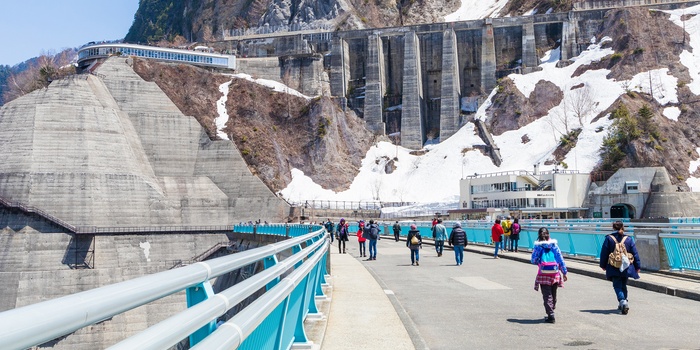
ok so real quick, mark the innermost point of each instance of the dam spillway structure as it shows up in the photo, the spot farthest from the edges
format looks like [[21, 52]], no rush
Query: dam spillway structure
[[422, 82]]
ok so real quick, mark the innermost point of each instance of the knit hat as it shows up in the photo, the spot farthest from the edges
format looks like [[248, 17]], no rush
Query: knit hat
[[413, 226], [457, 224]]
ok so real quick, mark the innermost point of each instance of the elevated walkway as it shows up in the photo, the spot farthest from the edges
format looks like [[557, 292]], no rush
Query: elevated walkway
[[364, 314]]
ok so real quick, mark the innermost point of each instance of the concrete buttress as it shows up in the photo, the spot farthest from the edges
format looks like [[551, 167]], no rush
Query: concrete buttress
[[375, 85], [488, 58], [450, 105], [413, 103]]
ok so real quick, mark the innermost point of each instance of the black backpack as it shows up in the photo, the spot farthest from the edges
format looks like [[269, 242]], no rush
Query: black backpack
[[373, 231]]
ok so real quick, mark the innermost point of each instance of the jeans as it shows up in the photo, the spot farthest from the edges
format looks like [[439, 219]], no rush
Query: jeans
[[549, 296], [459, 254], [415, 256], [332, 234], [341, 242], [372, 248], [439, 245], [498, 245], [514, 244], [396, 235], [363, 251], [506, 242], [620, 286]]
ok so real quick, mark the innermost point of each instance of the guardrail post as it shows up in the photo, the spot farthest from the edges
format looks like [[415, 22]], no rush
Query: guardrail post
[[286, 230], [269, 262], [196, 295]]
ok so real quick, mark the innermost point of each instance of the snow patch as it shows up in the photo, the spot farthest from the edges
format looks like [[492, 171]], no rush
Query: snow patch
[[690, 59], [222, 119], [672, 113], [476, 9], [146, 249], [276, 86]]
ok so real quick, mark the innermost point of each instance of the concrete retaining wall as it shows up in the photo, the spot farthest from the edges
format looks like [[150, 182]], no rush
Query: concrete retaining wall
[[34, 268]]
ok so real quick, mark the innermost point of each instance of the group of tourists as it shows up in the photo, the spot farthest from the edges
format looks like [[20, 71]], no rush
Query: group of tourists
[[619, 257], [505, 235], [341, 232]]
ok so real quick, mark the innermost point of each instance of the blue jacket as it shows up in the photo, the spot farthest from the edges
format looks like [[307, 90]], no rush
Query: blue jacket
[[541, 247], [440, 232], [609, 246]]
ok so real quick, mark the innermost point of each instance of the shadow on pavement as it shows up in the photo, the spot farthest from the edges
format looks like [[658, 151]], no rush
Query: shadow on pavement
[[526, 321], [602, 312]]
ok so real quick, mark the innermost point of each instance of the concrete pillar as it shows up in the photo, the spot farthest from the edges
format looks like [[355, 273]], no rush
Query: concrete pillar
[[413, 104], [375, 86], [311, 75], [450, 89], [340, 70], [529, 59], [488, 58], [568, 47]]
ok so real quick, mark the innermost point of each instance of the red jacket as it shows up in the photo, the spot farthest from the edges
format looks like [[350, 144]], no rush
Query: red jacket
[[496, 232], [360, 237]]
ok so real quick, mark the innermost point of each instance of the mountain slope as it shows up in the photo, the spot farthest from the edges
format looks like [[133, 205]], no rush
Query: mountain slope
[[204, 20]]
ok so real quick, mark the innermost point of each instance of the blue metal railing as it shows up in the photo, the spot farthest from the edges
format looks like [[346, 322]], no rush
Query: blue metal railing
[[683, 250], [288, 300], [580, 237]]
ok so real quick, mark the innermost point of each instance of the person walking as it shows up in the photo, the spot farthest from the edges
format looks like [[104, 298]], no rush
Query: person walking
[[397, 231], [458, 240], [342, 230], [361, 239], [551, 266], [514, 235], [496, 236], [440, 237], [620, 261], [414, 242], [329, 227], [373, 237]]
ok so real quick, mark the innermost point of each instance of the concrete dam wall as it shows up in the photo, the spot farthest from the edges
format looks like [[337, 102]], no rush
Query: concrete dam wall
[[423, 81], [111, 150]]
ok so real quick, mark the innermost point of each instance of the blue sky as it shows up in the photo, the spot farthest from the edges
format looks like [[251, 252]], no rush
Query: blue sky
[[31, 27]]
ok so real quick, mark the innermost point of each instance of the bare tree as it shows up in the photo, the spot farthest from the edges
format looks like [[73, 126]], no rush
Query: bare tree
[[561, 119], [581, 103], [572, 111], [287, 80], [376, 187]]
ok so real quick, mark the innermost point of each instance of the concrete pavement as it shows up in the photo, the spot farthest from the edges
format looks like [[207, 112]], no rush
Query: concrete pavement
[[387, 303]]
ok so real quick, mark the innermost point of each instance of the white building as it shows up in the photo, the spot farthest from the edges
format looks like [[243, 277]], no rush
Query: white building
[[551, 194]]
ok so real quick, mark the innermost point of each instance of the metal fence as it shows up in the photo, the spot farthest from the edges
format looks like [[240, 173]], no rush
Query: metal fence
[[287, 301], [579, 237], [266, 29]]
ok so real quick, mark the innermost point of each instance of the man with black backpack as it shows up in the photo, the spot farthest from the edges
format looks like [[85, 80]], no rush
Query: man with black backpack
[[620, 260], [373, 236], [329, 227]]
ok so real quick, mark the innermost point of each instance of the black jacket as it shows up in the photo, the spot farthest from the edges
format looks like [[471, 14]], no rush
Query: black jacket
[[410, 235], [458, 237]]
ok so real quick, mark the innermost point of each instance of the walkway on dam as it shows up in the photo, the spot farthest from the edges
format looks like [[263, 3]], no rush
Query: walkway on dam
[[490, 303]]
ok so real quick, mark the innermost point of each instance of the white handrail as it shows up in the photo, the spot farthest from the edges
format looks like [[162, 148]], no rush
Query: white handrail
[[172, 330], [232, 333], [35, 324]]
